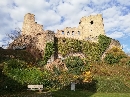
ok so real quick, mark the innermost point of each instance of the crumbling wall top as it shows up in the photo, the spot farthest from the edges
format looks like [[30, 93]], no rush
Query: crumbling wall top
[[30, 27]]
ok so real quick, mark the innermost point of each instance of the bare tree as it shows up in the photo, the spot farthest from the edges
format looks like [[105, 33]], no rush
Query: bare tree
[[15, 34]]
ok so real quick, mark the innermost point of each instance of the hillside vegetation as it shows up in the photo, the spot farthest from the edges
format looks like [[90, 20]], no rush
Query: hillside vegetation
[[91, 73]]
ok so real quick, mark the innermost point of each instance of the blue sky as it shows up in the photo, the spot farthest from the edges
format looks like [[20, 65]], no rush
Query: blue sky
[[58, 14]]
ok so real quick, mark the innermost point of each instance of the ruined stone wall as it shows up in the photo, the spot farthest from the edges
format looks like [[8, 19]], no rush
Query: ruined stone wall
[[30, 27], [89, 29], [33, 37], [115, 43]]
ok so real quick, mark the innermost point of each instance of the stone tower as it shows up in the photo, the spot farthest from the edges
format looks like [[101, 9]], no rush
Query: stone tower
[[33, 37], [30, 27], [89, 29]]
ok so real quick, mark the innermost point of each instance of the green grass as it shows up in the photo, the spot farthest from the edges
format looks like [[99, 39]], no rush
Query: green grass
[[27, 94], [67, 93], [87, 94]]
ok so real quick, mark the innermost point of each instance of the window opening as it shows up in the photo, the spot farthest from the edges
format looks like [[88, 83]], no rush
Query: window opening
[[78, 32], [62, 32], [68, 33], [91, 22], [63, 40], [72, 32]]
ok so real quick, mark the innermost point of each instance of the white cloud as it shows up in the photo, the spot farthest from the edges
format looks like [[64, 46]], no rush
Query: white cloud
[[78, 2], [5, 3], [124, 2], [116, 35], [34, 5], [47, 19], [111, 12], [126, 48], [127, 31]]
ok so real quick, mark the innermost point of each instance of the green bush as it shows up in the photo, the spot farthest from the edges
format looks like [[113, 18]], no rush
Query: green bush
[[76, 65], [128, 63], [104, 43], [92, 51], [16, 63], [9, 85], [49, 50], [17, 70], [114, 55], [111, 59]]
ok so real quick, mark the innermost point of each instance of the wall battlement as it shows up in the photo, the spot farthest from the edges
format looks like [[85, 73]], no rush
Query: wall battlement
[[89, 28]]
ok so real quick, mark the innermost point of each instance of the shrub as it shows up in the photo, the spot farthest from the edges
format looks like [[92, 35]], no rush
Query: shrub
[[104, 43], [114, 55], [75, 65], [49, 50], [128, 63], [10, 85], [111, 59], [16, 63], [17, 70], [92, 51]]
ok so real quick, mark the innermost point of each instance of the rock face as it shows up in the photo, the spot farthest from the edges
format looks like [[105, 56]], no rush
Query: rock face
[[89, 29], [114, 43]]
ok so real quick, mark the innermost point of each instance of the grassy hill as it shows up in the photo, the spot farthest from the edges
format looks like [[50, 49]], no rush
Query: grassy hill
[[92, 74]]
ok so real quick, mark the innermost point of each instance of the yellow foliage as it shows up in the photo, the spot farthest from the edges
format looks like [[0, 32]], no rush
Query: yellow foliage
[[87, 76], [116, 51]]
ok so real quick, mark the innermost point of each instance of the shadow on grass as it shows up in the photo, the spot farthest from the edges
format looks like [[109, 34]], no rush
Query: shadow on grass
[[82, 90], [9, 86]]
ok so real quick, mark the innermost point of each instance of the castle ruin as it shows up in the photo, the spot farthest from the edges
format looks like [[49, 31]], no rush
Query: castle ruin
[[89, 29], [34, 38]]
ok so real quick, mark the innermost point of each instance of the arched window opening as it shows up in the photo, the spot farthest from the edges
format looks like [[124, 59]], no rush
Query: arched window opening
[[72, 32], [68, 33]]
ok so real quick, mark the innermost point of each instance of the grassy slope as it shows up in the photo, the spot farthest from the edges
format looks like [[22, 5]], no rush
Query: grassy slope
[[112, 71], [87, 94], [104, 74]]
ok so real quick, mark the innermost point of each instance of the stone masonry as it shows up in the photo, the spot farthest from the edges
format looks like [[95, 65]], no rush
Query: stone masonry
[[89, 29], [34, 38]]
